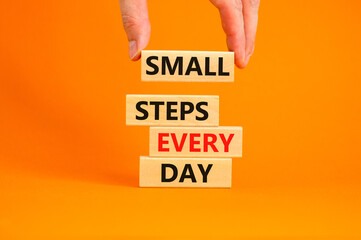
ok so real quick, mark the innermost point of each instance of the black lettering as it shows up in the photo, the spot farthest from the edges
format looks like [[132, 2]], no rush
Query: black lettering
[[184, 111], [142, 110], [184, 175], [156, 108], [208, 73], [177, 63], [199, 109], [220, 68], [197, 68], [205, 173], [152, 65], [174, 169], [170, 110]]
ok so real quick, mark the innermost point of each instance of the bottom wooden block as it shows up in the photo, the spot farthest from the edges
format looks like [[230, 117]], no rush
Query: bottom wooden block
[[185, 172]]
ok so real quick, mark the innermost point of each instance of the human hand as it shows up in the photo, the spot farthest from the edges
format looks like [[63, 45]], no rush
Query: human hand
[[239, 22]]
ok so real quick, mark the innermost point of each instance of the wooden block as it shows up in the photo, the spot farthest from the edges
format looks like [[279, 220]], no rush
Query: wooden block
[[187, 66], [172, 110], [195, 141], [185, 172]]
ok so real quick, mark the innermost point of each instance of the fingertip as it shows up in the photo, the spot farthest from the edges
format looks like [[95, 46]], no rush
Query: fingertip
[[235, 45], [246, 60], [238, 64], [142, 41], [248, 56], [136, 25], [136, 57], [133, 50], [239, 61]]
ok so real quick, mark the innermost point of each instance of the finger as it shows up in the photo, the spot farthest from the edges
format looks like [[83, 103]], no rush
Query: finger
[[232, 23], [250, 16], [136, 25]]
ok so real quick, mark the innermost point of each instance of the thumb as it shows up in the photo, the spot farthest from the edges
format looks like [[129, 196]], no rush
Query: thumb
[[136, 25]]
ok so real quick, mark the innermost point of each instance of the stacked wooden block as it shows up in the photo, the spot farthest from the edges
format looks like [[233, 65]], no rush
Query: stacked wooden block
[[187, 147]]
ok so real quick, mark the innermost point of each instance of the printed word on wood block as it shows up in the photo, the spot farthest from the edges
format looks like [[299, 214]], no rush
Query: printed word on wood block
[[172, 110], [195, 141], [187, 66], [185, 172]]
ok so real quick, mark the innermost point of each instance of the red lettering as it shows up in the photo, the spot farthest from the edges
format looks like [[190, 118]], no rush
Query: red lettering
[[209, 143], [178, 147], [192, 142], [161, 141], [225, 141]]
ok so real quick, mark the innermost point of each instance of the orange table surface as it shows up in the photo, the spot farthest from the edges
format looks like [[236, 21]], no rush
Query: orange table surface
[[69, 165]]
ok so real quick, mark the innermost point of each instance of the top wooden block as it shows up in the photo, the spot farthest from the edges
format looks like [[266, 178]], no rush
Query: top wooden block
[[187, 66]]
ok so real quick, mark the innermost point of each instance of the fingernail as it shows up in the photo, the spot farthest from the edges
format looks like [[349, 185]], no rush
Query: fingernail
[[246, 60], [133, 50]]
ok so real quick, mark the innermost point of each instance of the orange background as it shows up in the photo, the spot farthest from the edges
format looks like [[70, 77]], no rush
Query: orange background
[[69, 165]]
